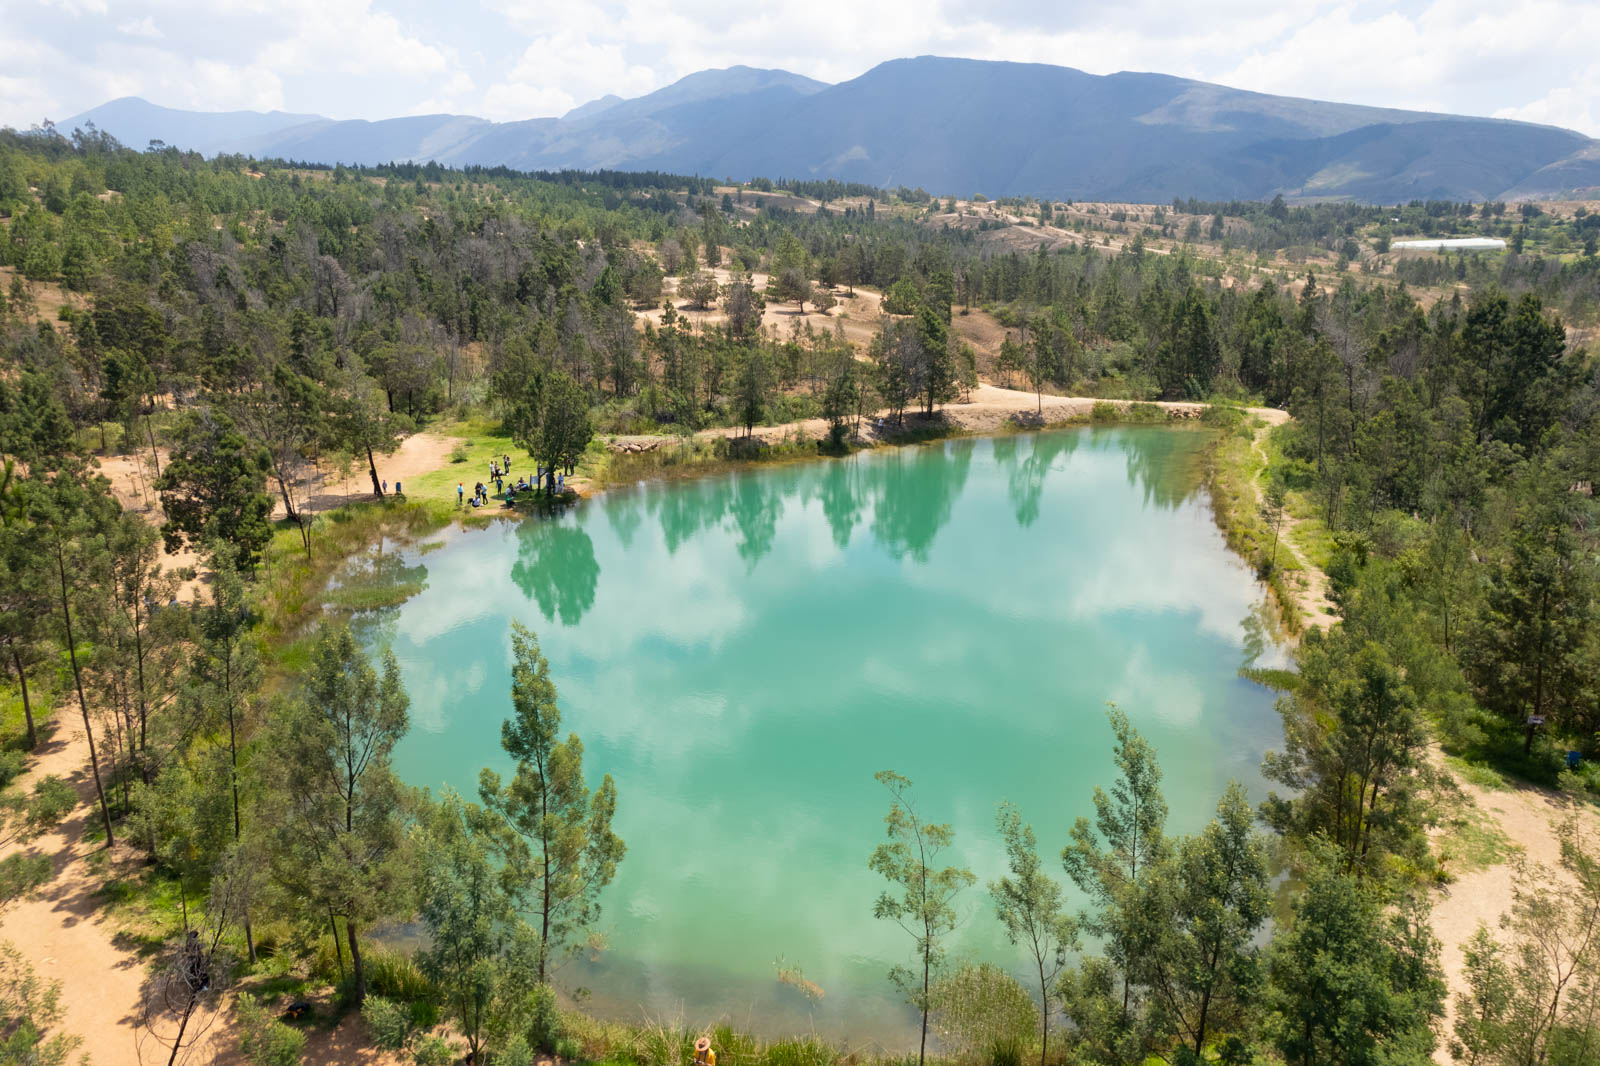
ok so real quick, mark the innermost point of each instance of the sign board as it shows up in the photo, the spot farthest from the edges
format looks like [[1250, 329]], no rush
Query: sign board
[[1536, 719]]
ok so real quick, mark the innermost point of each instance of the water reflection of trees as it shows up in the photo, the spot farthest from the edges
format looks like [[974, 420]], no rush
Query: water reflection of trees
[[1025, 480], [624, 512], [839, 493], [916, 491], [372, 585], [756, 504], [556, 568], [910, 493], [1164, 464]]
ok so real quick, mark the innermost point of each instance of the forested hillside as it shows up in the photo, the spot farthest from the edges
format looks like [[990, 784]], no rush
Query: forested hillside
[[235, 323]]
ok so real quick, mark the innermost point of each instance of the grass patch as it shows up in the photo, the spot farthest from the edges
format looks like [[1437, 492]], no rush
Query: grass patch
[[147, 909], [1234, 465], [1479, 774], [1469, 840], [292, 588], [483, 439]]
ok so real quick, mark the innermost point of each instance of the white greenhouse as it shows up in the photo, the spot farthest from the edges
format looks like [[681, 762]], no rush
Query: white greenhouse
[[1465, 244]]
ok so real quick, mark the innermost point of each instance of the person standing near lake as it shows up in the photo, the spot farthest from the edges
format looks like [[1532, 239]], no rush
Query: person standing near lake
[[461, 494]]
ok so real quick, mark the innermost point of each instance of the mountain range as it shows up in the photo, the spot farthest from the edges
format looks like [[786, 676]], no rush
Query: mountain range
[[954, 127]]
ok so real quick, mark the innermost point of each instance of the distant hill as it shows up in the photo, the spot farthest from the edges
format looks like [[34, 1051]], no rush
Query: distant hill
[[137, 122], [952, 126]]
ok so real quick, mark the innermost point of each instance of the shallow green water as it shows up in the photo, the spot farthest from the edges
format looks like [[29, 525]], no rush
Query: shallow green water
[[742, 653]]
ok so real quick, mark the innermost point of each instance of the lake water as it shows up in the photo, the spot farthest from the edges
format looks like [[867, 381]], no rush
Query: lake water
[[743, 652]]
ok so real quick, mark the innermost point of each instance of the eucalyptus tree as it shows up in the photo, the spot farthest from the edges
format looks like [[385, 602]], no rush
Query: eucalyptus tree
[[558, 848], [74, 512], [921, 896], [481, 952], [224, 680], [212, 488], [1115, 860], [1206, 970], [333, 811], [1030, 906], [24, 607]]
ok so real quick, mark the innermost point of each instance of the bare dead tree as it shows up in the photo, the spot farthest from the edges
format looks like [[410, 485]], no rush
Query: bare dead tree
[[183, 996]]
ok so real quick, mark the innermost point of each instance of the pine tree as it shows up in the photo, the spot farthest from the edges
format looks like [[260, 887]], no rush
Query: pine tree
[[560, 852]]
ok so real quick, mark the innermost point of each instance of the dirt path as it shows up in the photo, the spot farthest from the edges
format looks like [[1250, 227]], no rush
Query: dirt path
[[63, 929], [1528, 817], [989, 409], [1310, 583]]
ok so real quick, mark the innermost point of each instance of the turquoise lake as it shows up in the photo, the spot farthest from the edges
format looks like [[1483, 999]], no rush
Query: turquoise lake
[[742, 652]]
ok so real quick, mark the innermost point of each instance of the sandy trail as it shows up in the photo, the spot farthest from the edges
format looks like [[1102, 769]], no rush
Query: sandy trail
[[1310, 583], [65, 932], [1528, 816], [988, 409], [63, 929]]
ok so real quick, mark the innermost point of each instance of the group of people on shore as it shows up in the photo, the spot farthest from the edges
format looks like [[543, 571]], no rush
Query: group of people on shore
[[499, 470]]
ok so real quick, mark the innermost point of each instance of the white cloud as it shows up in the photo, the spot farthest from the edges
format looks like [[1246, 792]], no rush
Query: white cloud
[[141, 27]]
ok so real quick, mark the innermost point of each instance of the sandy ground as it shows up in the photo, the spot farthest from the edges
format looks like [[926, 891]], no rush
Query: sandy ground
[[132, 482], [859, 312], [989, 409], [420, 453], [1528, 816], [62, 930], [65, 933]]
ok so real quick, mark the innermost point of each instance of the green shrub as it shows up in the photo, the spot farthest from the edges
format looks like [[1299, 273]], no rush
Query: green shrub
[[395, 976], [802, 1051], [1105, 412], [10, 767], [978, 1008], [388, 1022], [21, 874], [544, 1025], [1006, 1053], [517, 1053], [1222, 417], [433, 1051], [264, 1040], [458, 454]]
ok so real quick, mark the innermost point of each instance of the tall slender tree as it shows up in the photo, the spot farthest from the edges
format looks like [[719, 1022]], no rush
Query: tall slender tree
[[1030, 906], [334, 810], [921, 895], [560, 852]]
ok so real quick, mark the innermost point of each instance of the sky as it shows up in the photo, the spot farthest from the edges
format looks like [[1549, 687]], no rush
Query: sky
[[512, 59]]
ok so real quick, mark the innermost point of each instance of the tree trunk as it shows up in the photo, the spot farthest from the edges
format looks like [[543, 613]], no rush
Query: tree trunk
[[355, 961], [177, 1043], [338, 952], [283, 490], [151, 432], [1044, 1011], [372, 467], [922, 1048], [27, 708], [144, 706], [83, 703]]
